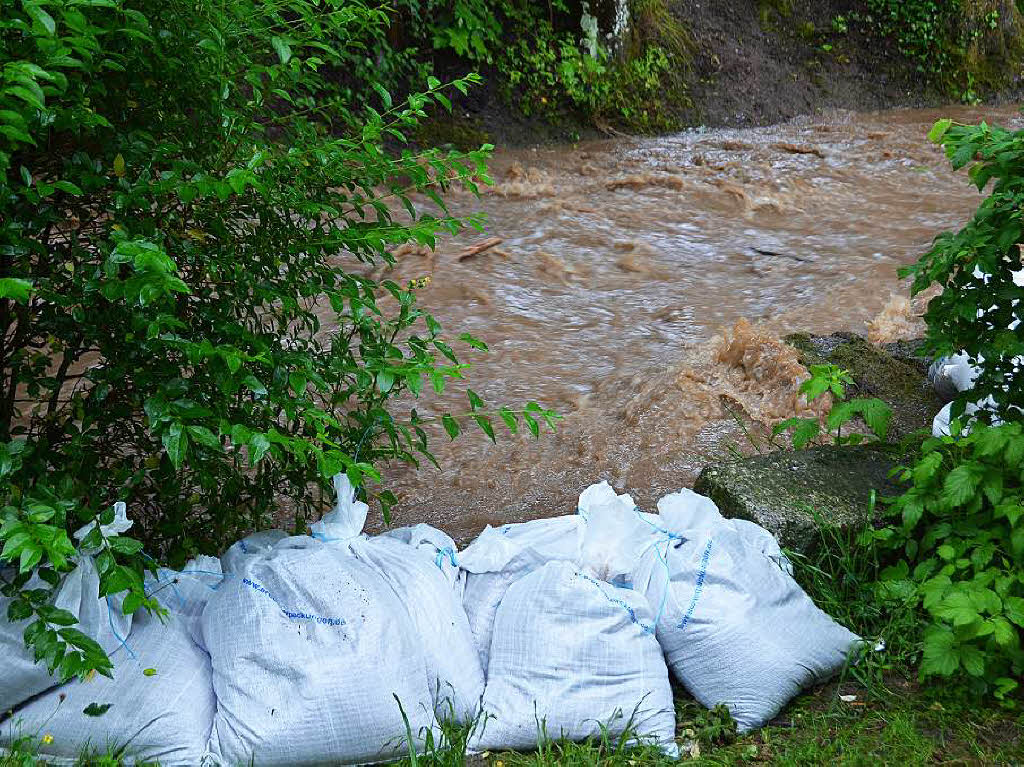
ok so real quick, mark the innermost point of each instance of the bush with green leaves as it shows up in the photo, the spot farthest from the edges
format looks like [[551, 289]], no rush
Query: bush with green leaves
[[979, 270], [960, 531], [564, 65], [832, 380], [190, 207], [924, 30]]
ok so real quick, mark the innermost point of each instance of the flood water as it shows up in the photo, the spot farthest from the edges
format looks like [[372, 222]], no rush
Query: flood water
[[641, 287]]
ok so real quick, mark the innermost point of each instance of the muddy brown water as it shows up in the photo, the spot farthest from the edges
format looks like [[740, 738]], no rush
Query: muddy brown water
[[641, 287]]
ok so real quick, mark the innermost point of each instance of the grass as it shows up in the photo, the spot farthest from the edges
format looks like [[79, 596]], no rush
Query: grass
[[891, 719]]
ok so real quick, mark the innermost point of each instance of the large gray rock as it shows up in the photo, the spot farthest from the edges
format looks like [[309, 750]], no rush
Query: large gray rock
[[785, 491]]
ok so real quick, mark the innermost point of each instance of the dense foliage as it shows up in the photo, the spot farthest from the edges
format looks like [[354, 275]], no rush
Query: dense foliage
[[961, 528], [982, 301], [626, 67], [963, 46], [189, 207]]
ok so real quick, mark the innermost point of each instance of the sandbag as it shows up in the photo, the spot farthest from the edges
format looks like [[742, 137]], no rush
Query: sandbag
[[98, 617], [314, 656], [185, 592], [252, 546], [161, 703], [454, 673], [570, 653], [439, 546], [500, 556], [736, 629]]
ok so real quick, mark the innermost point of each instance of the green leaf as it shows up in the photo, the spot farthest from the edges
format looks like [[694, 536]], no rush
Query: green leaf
[[804, 430], [957, 608], [97, 709], [298, 383], [41, 17], [510, 419], [131, 603], [283, 50], [450, 425], [68, 188], [1013, 608], [939, 130], [175, 442], [927, 467], [474, 342], [16, 289], [204, 437], [123, 545], [259, 444], [385, 380], [960, 485], [149, 672], [531, 424], [973, 660], [474, 400], [382, 92], [485, 425], [940, 656]]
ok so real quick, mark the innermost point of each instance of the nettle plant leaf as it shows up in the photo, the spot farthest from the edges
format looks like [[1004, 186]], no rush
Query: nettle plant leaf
[[961, 529]]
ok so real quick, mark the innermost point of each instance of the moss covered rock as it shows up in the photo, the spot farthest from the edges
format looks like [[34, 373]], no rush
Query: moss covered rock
[[896, 374], [787, 492]]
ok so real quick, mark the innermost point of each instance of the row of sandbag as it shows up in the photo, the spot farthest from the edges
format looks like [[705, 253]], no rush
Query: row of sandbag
[[302, 649]]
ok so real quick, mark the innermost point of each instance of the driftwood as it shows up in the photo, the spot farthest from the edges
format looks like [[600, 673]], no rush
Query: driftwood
[[480, 247]]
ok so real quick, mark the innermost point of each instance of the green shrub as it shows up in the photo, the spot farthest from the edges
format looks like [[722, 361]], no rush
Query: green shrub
[[961, 530], [980, 301], [552, 61], [924, 30], [189, 207]]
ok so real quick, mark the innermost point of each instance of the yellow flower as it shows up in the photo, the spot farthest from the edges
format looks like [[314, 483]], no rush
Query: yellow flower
[[47, 739]]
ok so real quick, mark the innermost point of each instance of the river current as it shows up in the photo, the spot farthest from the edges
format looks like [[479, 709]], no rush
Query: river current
[[641, 287]]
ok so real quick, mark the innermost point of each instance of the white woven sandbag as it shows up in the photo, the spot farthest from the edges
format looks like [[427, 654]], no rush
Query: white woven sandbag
[[501, 555], [441, 627], [310, 649], [161, 703], [185, 592], [99, 617], [570, 654], [690, 514], [252, 546], [736, 629], [439, 546]]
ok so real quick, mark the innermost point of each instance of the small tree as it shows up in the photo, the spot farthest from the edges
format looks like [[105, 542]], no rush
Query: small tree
[[186, 189]]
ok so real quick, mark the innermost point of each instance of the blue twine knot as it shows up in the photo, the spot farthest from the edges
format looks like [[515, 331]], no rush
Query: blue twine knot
[[446, 551]]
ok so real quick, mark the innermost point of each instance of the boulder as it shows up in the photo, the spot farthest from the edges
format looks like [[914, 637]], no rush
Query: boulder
[[786, 492]]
